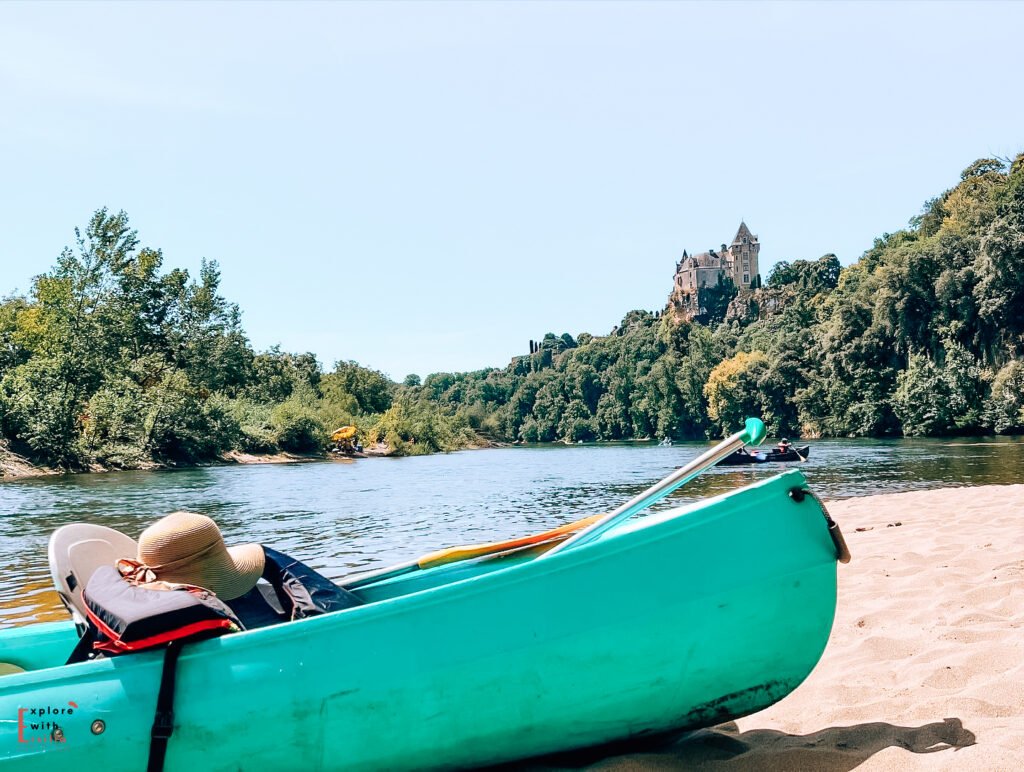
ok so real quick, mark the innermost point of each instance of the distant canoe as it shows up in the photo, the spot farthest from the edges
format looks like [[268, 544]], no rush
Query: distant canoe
[[742, 456]]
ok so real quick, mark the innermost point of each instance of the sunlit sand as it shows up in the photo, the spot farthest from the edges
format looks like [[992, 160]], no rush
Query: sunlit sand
[[925, 667]]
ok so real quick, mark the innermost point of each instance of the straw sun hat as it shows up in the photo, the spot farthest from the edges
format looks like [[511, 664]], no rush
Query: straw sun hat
[[187, 548]]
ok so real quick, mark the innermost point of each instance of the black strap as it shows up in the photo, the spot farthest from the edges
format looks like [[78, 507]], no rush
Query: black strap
[[83, 649], [163, 720]]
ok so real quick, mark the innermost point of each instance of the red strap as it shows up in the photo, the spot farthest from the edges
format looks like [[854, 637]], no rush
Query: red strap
[[116, 644]]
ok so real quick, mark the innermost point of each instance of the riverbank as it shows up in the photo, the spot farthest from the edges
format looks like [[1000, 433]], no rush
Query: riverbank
[[925, 666], [15, 467]]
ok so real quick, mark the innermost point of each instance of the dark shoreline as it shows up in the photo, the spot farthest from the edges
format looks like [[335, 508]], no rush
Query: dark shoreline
[[15, 467]]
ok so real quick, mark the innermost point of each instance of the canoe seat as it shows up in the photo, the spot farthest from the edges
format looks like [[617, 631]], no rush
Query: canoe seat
[[6, 668], [76, 551]]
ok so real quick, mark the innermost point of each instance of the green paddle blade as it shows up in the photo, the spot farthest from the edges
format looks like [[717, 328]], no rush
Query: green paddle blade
[[753, 432]]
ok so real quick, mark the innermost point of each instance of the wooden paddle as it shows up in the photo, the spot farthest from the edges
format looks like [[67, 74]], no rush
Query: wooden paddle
[[467, 552], [453, 554]]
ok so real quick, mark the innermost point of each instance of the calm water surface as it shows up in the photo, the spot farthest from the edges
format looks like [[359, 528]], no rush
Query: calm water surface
[[347, 516]]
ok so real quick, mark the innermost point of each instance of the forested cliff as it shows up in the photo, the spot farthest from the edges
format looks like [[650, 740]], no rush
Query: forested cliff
[[921, 336], [110, 361]]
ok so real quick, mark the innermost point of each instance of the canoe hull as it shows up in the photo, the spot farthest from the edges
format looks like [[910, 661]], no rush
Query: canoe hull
[[683, 621], [738, 459]]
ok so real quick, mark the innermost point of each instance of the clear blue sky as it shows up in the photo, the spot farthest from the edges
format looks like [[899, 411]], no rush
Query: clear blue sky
[[425, 187]]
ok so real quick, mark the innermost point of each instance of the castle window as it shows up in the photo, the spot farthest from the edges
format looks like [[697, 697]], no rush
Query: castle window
[[746, 278]]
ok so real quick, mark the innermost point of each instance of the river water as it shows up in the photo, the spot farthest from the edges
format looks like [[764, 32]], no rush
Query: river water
[[344, 516]]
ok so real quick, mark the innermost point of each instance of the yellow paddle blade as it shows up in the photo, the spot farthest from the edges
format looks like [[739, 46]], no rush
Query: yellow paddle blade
[[453, 554]]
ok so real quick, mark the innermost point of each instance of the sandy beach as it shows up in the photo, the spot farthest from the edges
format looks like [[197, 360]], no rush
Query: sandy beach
[[925, 666]]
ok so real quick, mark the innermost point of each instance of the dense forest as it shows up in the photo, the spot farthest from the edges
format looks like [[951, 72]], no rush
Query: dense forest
[[109, 361], [921, 336]]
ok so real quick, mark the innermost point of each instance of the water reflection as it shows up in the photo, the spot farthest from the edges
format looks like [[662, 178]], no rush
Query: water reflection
[[344, 517]]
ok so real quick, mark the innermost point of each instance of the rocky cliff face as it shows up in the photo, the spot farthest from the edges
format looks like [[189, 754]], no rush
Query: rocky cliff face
[[762, 303]]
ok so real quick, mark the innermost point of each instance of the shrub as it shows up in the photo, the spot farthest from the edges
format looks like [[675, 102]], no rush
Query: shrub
[[38, 408], [297, 428], [1004, 410]]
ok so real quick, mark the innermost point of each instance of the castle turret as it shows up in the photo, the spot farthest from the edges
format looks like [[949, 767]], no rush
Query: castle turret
[[743, 256]]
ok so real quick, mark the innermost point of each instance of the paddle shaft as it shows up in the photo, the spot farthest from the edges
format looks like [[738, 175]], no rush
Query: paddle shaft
[[456, 554], [656, 492], [752, 433]]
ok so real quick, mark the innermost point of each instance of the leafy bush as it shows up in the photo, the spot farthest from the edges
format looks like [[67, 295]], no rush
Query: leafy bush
[[41, 410], [297, 428], [255, 426], [921, 401], [184, 422], [416, 427], [1004, 409]]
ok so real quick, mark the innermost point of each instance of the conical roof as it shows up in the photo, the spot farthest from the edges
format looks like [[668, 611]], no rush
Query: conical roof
[[743, 231]]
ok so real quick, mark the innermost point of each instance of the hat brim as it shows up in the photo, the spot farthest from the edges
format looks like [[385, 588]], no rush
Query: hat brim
[[229, 574]]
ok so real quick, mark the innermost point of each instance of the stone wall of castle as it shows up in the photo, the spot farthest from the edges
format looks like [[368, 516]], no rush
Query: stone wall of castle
[[738, 262]]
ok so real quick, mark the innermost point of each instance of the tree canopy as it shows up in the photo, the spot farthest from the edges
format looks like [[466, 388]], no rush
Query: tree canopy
[[109, 360], [923, 335]]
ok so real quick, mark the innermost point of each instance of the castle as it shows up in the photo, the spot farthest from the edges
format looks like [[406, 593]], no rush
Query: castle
[[737, 262]]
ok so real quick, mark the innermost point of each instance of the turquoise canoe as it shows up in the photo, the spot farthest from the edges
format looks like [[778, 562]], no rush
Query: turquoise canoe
[[686, 618]]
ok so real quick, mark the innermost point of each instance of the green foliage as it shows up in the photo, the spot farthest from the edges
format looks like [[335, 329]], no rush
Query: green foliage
[[810, 278], [111, 360], [921, 401], [366, 390], [714, 301], [257, 431], [183, 422], [297, 427], [1005, 406], [904, 340], [41, 409], [416, 427], [733, 390], [274, 375], [14, 314]]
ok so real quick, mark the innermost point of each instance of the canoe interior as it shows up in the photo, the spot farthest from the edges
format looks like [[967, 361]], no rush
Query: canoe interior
[[686, 618]]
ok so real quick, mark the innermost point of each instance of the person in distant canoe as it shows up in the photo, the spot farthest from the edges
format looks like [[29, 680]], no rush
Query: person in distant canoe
[[188, 548], [744, 452], [784, 445]]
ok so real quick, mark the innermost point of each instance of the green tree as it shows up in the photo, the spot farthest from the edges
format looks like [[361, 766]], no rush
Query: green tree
[[922, 400], [732, 389], [1005, 406]]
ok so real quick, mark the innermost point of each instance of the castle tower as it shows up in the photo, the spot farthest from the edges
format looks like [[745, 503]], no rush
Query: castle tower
[[743, 257]]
